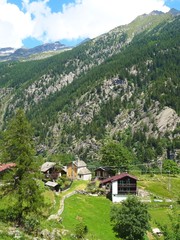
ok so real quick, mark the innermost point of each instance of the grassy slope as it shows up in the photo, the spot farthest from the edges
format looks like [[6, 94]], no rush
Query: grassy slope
[[163, 186], [93, 211]]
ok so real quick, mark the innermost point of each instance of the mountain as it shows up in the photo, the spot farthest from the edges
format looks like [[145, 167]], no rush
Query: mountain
[[122, 85], [6, 51], [38, 52]]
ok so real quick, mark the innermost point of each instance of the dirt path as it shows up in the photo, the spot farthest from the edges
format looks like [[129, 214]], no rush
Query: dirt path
[[66, 194]]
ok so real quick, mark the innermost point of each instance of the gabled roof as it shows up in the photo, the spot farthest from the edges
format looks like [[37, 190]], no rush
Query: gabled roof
[[84, 171], [6, 166], [104, 168], [117, 177], [47, 165], [79, 163]]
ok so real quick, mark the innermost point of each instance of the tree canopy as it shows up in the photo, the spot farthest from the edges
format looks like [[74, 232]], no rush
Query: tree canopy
[[117, 155], [131, 219]]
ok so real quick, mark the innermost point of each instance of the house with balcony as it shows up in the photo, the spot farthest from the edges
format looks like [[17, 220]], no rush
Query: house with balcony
[[120, 186]]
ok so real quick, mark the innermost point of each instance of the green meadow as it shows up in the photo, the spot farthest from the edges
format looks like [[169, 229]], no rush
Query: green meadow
[[93, 211]]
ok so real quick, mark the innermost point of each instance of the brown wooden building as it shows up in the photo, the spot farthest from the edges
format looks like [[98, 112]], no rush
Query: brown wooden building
[[120, 186], [104, 172]]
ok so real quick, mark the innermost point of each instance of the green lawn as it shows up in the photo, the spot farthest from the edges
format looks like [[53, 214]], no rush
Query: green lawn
[[161, 186], [159, 215], [93, 211]]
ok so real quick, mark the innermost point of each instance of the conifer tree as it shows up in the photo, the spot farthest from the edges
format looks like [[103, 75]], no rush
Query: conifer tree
[[18, 147]]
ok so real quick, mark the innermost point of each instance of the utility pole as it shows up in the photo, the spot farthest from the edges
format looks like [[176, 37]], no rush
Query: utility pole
[[159, 162], [169, 181]]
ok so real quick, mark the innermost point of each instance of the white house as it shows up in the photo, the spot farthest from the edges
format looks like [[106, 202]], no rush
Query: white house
[[120, 186]]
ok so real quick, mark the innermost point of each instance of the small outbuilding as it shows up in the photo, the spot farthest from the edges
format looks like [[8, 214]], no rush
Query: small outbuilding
[[104, 172], [48, 167], [53, 185]]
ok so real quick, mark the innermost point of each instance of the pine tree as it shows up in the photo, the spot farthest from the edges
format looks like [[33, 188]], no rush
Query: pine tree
[[18, 147]]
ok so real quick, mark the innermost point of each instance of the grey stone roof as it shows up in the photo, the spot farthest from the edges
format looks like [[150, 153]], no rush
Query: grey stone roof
[[51, 184], [47, 165], [79, 163], [84, 171]]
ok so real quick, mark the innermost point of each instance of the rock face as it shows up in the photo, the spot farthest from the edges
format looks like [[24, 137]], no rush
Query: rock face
[[167, 119], [105, 86]]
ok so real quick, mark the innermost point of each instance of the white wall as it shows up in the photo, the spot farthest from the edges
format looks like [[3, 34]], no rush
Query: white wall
[[115, 196], [118, 198], [115, 187], [86, 177]]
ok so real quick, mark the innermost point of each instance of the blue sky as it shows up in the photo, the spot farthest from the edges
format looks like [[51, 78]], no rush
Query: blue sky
[[27, 23]]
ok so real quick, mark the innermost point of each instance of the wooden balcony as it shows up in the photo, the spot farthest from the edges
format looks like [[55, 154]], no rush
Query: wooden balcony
[[125, 192], [131, 185]]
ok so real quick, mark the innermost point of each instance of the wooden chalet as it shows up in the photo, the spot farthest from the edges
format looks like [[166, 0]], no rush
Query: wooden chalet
[[52, 171], [48, 168], [104, 172], [120, 186]]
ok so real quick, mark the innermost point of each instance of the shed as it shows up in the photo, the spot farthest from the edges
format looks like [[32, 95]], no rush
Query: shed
[[53, 185]]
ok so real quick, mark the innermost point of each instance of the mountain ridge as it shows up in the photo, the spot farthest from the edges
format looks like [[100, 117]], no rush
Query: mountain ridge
[[11, 54], [112, 85]]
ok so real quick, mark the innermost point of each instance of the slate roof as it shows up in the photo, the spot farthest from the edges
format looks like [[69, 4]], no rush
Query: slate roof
[[51, 184], [84, 171], [47, 165], [104, 168], [117, 177], [80, 163], [6, 166]]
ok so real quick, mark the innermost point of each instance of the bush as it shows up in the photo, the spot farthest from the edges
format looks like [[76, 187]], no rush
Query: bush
[[31, 224], [80, 230]]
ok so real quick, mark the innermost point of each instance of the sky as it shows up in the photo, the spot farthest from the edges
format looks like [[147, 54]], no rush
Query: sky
[[28, 23]]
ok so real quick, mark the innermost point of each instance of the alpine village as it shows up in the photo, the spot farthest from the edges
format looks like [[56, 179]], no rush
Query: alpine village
[[90, 136]]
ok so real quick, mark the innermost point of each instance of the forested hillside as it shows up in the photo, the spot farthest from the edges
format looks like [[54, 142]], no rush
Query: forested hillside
[[122, 85]]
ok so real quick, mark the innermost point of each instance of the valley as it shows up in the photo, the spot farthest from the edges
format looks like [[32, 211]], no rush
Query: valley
[[110, 102]]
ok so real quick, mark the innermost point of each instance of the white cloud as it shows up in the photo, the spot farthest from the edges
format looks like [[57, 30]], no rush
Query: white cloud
[[14, 25], [84, 18]]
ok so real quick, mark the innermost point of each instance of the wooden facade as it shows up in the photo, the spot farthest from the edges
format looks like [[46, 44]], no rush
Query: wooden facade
[[127, 185], [72, 171], [103, 173], [120, 186]]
